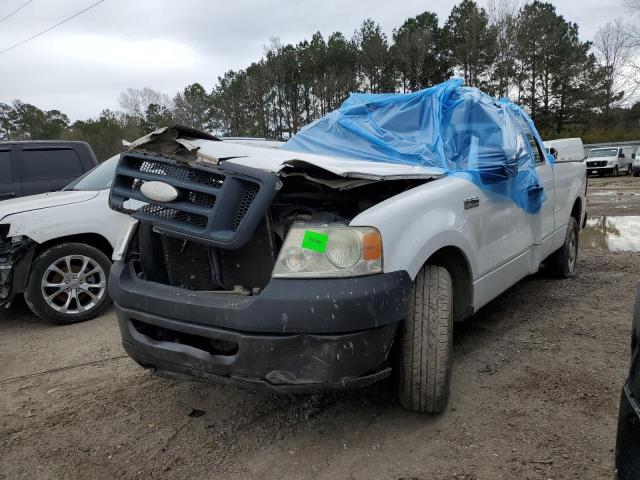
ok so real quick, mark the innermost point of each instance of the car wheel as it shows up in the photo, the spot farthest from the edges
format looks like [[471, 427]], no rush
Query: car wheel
[[425, 341], [629, 169], [562, 263], [615, 171], [68, 283], [636, 173]]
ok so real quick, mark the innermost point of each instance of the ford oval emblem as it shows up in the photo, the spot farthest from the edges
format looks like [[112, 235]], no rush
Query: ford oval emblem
[[159, 191]]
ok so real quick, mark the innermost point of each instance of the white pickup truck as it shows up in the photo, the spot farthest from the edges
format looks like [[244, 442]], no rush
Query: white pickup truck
[[613, 160], [295, 272]]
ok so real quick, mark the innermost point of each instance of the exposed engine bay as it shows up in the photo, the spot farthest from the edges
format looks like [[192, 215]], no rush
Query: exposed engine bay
[[225, 228]]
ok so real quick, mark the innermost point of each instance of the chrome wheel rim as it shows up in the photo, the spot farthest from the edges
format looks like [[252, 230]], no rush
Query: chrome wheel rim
[[573, 251], [73, 284]]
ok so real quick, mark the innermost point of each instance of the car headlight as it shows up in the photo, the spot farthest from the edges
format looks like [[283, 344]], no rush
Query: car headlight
[[311, 251]]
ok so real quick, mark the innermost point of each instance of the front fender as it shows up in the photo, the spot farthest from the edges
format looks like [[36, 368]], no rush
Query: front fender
[[417, 223]]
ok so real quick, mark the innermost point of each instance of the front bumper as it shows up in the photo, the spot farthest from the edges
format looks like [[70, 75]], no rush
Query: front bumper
[[15, 265], [295, 336], [628, 440], [598, 170]]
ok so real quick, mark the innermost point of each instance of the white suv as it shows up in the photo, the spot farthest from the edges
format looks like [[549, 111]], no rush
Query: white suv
[[56, 247]]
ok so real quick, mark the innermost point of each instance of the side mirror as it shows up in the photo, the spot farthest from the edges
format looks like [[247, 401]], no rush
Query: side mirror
[[553, 151], [633, 156], [621, 155]]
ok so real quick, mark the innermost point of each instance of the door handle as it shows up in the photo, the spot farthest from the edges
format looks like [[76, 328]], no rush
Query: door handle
[[7, 195]]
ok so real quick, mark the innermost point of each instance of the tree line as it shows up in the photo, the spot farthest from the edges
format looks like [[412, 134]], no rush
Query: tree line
[[528, 53]]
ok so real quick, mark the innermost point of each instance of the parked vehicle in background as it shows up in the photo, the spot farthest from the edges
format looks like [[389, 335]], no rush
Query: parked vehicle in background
[[32, 167], [566, 149], [612, 160], [628, 441], [56, 248], [636, 163]]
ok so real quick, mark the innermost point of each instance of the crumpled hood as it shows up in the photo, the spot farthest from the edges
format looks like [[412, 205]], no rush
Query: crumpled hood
[[186, 144], [43, 200], [276, 160]]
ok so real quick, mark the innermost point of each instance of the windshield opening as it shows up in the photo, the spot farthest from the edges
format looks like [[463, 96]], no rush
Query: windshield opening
[[604, 152], [98, 178]]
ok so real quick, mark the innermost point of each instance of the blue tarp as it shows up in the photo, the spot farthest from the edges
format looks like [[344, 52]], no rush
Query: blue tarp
[[459, 129]]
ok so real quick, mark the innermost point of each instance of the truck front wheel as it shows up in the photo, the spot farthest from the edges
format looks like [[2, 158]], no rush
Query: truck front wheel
[[425, 341]]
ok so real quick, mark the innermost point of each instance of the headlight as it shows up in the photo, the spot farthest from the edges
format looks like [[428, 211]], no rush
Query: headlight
[[329, 251]]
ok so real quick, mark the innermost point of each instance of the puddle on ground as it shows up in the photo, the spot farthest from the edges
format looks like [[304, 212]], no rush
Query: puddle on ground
[[606, 194], [609, 196], [616, 234]]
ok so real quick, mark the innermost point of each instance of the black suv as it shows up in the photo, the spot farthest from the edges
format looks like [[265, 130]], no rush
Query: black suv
[[31, 167]]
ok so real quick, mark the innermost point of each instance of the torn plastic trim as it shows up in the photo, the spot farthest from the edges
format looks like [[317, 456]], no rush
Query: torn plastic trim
[[15, 265], [174, 141]]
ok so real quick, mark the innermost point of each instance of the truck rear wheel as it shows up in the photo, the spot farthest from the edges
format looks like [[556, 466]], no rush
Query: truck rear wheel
[[425, 342], [562, 263]]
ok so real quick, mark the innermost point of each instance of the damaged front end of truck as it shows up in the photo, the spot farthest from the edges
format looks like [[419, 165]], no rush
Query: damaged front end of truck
[[242, 267]]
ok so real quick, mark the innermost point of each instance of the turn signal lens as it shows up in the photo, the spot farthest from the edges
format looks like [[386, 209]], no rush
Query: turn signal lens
[[372, 246]]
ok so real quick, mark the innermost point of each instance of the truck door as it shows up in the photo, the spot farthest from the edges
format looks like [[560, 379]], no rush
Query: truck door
[[542, 224]]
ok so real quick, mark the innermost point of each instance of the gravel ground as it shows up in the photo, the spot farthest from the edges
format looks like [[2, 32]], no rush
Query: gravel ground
[[537, 375], [614, 195]]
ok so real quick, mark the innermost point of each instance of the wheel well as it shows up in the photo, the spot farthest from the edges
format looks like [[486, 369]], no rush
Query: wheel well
[[455, 261], [576, 212], [93, 239]]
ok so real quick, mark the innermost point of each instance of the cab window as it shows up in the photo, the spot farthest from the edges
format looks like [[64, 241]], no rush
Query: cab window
[[5, 166], [44, 164], [535, 148]]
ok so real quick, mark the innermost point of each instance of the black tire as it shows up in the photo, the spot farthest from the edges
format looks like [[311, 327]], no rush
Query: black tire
[[562, 263], [636, 173], [629, 169], [616, 172], [35, 293], [425, 343]]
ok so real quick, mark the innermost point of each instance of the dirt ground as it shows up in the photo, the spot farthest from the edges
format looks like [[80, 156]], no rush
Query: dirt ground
[[614, 195], [536, 382]]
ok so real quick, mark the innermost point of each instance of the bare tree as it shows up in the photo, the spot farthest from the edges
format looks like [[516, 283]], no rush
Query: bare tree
[[633, 5], [503, 16], [136, 101], [614, 49]]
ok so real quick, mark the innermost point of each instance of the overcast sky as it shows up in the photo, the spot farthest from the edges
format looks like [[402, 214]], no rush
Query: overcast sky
[[81, 67]]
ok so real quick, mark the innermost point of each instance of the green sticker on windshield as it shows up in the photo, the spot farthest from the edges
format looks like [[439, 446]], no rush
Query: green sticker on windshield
[[315, 241]]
